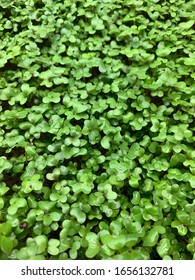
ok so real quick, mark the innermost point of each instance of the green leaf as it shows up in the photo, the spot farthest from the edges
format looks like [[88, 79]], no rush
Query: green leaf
[[3, 61], [5, 228], [3, 189], [22, 254], [78, 214], [136, 198], [15, 204], [138, 254], [46, 205], [4, 164], [6, 244], [132, 227], [55, 216], [53, 245], [182, 230], [151, 238], [183, 217], [116, 242], [189, 61], [33, 183], [47, 221], [186, 25], [41, 242], [134, 151], [93, 245], [97, 23], [82, 187], [105, 142], [34, 118], [191, 245], [118, 167], [132, 239], [163, 51], [152, 209], [96, 199], [60, 80], [177, 159], [129, 52], [107, 189], [168, 78]]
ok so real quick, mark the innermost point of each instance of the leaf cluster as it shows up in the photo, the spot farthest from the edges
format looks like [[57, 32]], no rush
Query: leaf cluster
[[97, 134]]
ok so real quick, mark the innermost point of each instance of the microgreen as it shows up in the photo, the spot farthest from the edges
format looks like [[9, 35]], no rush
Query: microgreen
[[97, 133]]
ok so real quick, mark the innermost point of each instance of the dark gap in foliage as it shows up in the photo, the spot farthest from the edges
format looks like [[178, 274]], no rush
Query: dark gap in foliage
[[39, 4], [98, 147], [126, 190], [78, 160], [131, 109], [86, 79], [147, 194], [29, 103], [151, 73], [181, 239], [39, 196], [96, 227], [6, 12], [43, 87], [106, 80], [75, 122], [15, 152], [48, 183], [35, 22], [162, 174], [5, 105], [81, 254], [158, 101], [146, 15], [97, 115], [154, 255], [46, 137], [190, 200], [100, 170], [45, 43], [10, 66], [55, 233], [188, 80], [125, 60], [191, 126], [139, 135], [95, 71], [49, 169], [9, 180], [26, 233]]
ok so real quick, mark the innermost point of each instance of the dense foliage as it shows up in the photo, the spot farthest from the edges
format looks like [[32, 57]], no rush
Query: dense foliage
[[97, 131]]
